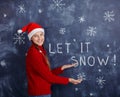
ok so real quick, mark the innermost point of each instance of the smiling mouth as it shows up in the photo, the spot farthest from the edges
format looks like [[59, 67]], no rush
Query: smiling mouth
[[40, 41]]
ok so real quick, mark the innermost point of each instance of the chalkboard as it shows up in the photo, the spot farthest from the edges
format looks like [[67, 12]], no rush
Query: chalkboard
[[84, 32]]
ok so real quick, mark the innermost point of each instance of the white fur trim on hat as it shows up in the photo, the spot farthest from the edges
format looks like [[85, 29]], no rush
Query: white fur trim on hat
[[34, 31], [19, 31]]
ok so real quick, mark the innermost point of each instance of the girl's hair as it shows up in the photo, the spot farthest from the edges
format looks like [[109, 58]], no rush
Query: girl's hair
[[37, 47]]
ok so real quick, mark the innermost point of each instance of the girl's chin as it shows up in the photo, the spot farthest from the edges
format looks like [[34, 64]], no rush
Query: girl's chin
[[40, 44]]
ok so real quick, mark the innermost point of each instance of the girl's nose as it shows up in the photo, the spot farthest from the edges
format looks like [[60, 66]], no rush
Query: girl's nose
[[38, 37]]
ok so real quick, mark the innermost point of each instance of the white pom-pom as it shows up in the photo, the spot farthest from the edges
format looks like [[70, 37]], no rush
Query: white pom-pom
[[19, 31]]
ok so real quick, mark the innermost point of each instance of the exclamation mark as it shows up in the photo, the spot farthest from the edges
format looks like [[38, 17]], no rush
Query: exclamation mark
[[114, 60]]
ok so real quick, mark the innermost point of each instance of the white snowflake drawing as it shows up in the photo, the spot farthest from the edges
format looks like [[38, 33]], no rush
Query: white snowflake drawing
[[108, 45], [58, 5], [76, 89], [19, 38], [109, 16], [62, 31], [40, 11], [91, 31], [81, 19], [100, 81], [91, 94], [21, 9], [4, 15], [81, 76], [74, 40], [3, 63], [99, 70]]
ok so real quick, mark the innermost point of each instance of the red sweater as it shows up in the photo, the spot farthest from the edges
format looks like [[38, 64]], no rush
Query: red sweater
[[39, 76]]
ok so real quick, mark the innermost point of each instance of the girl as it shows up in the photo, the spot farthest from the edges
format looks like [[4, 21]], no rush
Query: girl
[[39, 74]]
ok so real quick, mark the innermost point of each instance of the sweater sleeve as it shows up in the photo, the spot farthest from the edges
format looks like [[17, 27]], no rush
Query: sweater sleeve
[[57, 71], [41, 68]]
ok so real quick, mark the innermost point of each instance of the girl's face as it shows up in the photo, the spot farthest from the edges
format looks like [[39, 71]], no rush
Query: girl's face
[[38, 38]]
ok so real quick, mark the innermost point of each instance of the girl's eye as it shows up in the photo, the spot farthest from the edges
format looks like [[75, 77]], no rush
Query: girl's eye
[[35, 36], [41, 34]]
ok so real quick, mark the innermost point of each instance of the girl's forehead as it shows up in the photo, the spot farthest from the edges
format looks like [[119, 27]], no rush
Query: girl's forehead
[[39, 32]]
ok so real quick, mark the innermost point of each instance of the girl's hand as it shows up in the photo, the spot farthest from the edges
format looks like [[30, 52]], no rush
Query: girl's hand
[[74, 81], [67, 66]]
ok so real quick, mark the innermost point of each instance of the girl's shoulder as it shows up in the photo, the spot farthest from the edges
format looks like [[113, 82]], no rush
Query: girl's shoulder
[[32, 51]]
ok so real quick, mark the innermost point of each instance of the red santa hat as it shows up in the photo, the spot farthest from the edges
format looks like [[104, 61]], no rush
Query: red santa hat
[[31, 29]]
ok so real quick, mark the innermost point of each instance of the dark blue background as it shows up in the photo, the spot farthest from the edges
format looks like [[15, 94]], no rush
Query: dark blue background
[[104, 42]]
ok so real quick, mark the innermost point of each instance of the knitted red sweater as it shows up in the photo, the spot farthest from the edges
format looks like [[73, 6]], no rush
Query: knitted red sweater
[[39, 76]]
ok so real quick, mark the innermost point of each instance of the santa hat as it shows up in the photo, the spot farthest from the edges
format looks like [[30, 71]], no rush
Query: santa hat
[[31, 29]]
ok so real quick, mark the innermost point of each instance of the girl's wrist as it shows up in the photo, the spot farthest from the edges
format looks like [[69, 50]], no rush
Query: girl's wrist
[[69, 79], [62, 68]]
